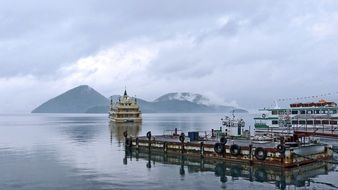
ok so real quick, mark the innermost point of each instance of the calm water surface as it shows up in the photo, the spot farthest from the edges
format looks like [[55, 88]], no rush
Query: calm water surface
[[53, 151]]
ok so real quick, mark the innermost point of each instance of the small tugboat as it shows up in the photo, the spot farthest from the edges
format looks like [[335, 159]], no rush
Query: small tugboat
[[125, 110], [235, 144]]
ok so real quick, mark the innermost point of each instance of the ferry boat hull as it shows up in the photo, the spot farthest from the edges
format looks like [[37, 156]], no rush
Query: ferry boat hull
[[126, 120]]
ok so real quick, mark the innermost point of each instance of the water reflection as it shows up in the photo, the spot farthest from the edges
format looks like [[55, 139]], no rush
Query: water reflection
[[117, 129], [78, 128], [81, 133], [230, 171]]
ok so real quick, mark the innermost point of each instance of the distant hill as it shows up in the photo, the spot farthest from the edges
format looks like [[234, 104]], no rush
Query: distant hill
[[84, 99], [190, 102], [176, 103], [76, 100]]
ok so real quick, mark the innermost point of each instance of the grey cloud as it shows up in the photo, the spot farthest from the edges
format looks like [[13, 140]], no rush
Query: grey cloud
[[266, 49], [48, 34]]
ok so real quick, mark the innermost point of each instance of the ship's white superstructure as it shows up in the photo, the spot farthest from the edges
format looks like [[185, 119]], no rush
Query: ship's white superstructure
[[125, 110], [320, 115]]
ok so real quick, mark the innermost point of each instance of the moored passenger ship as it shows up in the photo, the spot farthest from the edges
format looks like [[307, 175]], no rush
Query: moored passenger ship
[[320, 115], [125, 110]]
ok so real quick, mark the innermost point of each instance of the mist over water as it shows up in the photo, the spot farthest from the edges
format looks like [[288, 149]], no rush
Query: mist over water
[[85, 151]]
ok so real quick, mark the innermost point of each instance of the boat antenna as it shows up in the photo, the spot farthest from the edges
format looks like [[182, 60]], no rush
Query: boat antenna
[[125, 91], [276, 104]]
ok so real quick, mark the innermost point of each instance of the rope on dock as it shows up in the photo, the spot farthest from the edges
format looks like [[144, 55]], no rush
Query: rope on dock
[[316, 160]]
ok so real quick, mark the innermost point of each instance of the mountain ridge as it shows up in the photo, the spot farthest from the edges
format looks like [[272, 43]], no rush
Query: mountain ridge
[[69, 101], [84, 99]]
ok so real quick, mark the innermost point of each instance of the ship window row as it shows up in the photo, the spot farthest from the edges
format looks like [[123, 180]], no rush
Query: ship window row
[[127, 115], [295, 112], [309, 122], [126, 104], [127, 110]]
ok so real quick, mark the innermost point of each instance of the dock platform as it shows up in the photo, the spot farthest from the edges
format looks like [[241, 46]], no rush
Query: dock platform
[[237, 150]]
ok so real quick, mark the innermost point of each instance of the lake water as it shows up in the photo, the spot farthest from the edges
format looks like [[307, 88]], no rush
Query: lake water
[[53, 151]]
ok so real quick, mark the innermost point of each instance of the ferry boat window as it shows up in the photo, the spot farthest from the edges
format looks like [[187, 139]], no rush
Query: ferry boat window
[[333, 122], [294, 112], [321, 111], [302, 122], [309, 122], [281, 112], [294, 122], [309, 112], [274, 122], [302, 112], [334, 111], [325, 122], [317, 122], [274, 112], [317, 111]]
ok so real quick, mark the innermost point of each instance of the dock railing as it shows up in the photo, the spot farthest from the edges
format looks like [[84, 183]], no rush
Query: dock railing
[[174, 132], [202, 135]]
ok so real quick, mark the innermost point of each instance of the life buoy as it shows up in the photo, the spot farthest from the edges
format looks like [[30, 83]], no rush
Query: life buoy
[[125, 134], [260, 153], [223, 140], [182, 137], [235, 150], [264, 115], [281, 148], [219, 148], [149, 135]]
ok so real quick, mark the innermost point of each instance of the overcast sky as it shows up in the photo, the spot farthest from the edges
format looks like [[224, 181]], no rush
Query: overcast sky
[[244, 53]]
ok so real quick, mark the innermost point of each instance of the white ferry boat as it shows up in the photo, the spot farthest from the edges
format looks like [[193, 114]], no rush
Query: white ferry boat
[[125, 110], [313, 116]]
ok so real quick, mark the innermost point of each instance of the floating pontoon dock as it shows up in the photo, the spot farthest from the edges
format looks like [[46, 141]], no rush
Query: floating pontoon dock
[[282, 154]]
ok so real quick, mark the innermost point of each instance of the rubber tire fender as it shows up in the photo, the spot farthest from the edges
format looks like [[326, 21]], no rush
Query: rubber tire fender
[[223, 140], [219, 148], [260, 153], [182, 137], [281, 148], [235, 150], [149, 135]]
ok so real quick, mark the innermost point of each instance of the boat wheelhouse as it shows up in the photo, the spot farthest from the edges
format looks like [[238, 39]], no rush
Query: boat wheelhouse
[[320, 115], [125, 110]]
